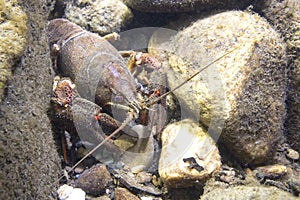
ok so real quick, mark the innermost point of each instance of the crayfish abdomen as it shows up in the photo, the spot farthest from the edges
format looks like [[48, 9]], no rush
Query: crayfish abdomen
[[91, 62]]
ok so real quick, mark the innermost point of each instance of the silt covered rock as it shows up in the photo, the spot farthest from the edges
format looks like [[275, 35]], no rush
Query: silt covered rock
[[285, 17], [247, 192], [100, 16], [169, 6], [94, 180], [242, 95], [12, 39]]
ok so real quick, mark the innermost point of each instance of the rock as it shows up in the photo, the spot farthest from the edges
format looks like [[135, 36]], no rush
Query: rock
[[30, 165], [12, 39], [241, 96], [94, 180], [292, 154], [270, 171], [129, 180], [100, 16], [188, 155], [66, 192], [169, 6], [144, 177], [124, 194], [247, 192], [285, 17]]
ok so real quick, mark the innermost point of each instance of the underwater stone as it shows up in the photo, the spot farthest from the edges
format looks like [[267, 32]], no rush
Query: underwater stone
[[28, 156], [100, 16], [241, 96], [247, 192], [170, 6], [188, 155], [12, 38], [285, 17], [94, 180]]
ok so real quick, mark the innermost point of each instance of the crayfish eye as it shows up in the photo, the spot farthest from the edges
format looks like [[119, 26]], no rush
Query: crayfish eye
[[119, 99]]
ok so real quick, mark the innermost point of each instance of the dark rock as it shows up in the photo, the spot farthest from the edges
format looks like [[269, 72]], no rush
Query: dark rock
[[29, 161], [284, 16], [94, 180], [169, 6]]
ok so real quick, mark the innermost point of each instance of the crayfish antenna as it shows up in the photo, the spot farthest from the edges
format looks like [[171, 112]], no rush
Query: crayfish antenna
[[129, 118], [191, 77]]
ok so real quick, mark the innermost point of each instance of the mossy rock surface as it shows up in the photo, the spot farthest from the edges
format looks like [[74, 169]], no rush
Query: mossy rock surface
[[12, 38], [100, 16], [285, 17], [241, 96], [171, 6], [29, 161]]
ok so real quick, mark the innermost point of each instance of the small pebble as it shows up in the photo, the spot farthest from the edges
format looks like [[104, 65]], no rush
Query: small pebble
[[292, 154], [66, 192], [271, 171], [144, 177]]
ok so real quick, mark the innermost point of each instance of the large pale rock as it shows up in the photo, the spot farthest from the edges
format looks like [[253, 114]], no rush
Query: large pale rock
[[242, 95], [188, 155], [100, 16]]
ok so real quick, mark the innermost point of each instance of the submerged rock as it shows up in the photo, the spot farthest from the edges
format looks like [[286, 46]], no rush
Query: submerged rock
[[285, 17], [100, 16], [241, 96], [66, 192], [30, 165], [247, 192], [12, 39], [188, 155], [94, 180], [169, 6], [124, 194]]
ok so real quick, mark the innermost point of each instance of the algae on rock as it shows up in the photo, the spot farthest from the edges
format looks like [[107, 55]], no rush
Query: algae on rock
[[285, 17], [12, 38], [242, 95], [100, 16], [29, 161]]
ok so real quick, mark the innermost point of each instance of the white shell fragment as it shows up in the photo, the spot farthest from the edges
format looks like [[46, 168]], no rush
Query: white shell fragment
[[188, 155], [66, 192]]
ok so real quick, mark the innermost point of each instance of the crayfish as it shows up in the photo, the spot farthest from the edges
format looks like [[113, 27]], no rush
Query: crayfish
[[101, 98], [100, 88]]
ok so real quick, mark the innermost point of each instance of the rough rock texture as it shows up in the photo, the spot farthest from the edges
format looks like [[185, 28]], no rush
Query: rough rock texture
[[183, 5], [29, 161], [285, 17], [243, 94], [100, 16], [124, 194], [246, 192], [94, 180], [12, 39], [188, 155]]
